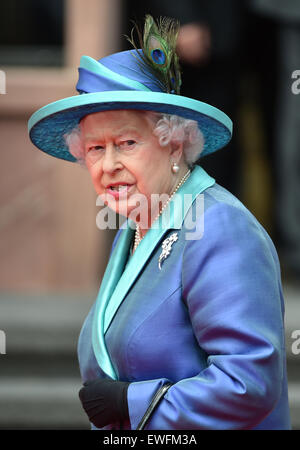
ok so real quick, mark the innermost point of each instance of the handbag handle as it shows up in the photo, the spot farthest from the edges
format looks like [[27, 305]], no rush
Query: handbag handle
[[154, 403]]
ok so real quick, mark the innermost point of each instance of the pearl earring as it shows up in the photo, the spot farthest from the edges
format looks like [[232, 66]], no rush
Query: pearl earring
[[175, 167]]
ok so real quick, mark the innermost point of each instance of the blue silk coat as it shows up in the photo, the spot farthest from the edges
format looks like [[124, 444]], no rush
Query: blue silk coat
[[210, 320]]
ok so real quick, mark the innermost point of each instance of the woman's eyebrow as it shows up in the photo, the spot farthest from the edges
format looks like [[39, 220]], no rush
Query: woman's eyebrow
[[119, 133], [93, 140], [127, 130]]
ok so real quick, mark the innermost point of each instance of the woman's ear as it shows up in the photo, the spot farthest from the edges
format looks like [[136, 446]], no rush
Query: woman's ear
[[176, 150]]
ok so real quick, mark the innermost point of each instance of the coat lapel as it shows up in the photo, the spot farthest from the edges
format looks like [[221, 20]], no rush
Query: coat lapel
[[117, 281], [109, 282]]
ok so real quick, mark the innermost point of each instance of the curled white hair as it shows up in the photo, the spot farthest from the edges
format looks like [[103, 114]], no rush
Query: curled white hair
[[168, 129], [74, 143], [176, 129]]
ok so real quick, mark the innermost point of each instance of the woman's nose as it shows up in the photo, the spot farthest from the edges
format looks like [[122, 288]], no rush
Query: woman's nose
[[111, 159]]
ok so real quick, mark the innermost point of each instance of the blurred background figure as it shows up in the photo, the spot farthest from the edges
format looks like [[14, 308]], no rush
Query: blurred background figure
[[236, 55], [284, 134]]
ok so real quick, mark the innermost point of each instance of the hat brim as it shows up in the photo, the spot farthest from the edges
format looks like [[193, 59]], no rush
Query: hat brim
[[48, 125]]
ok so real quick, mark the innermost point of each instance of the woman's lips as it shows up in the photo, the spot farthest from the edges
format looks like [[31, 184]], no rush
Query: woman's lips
[[120, 191]]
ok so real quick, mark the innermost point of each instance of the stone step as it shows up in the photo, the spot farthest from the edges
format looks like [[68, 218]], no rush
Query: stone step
[[53, 403], [39, 365], [39, 374], [51, 323], [41, 403], [42, 323], [294, 402]]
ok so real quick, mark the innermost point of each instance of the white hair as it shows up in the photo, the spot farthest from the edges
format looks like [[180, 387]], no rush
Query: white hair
[[168, 129]]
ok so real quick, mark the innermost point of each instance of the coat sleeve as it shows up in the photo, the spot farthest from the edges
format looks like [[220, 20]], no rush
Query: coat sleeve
[[231, 286]]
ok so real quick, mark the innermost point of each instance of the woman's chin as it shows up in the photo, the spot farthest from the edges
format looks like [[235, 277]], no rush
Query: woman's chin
[[119, 207]]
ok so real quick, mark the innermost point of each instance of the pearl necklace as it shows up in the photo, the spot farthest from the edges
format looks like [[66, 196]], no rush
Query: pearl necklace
[[137, 236]]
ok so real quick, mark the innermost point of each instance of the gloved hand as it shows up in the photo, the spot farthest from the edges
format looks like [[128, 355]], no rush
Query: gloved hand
[[105, 401]]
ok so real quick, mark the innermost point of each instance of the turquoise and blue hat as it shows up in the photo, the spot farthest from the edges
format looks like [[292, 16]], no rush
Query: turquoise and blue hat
[[117, 82]]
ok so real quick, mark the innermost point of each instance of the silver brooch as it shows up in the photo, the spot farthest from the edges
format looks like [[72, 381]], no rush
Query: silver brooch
[[166, 248]]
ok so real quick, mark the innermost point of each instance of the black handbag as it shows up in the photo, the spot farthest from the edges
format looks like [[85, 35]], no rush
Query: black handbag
[[154, 403]]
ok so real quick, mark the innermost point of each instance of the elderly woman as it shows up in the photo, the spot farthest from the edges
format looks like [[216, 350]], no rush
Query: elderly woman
[[187, 330]]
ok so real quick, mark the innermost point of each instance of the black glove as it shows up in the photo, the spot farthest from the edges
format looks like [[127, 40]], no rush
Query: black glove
[[105, 401]]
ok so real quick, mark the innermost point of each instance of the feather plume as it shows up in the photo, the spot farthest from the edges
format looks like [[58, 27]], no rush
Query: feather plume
[[158, 43]]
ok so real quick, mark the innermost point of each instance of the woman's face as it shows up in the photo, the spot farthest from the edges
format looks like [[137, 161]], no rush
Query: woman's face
[[125, 159]]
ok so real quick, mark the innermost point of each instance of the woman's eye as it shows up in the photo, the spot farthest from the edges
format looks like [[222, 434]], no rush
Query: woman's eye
[[129, 143], [95, 147]]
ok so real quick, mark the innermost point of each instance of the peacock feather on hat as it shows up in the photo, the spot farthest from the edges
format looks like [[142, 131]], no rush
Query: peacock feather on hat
[[158, 44]]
